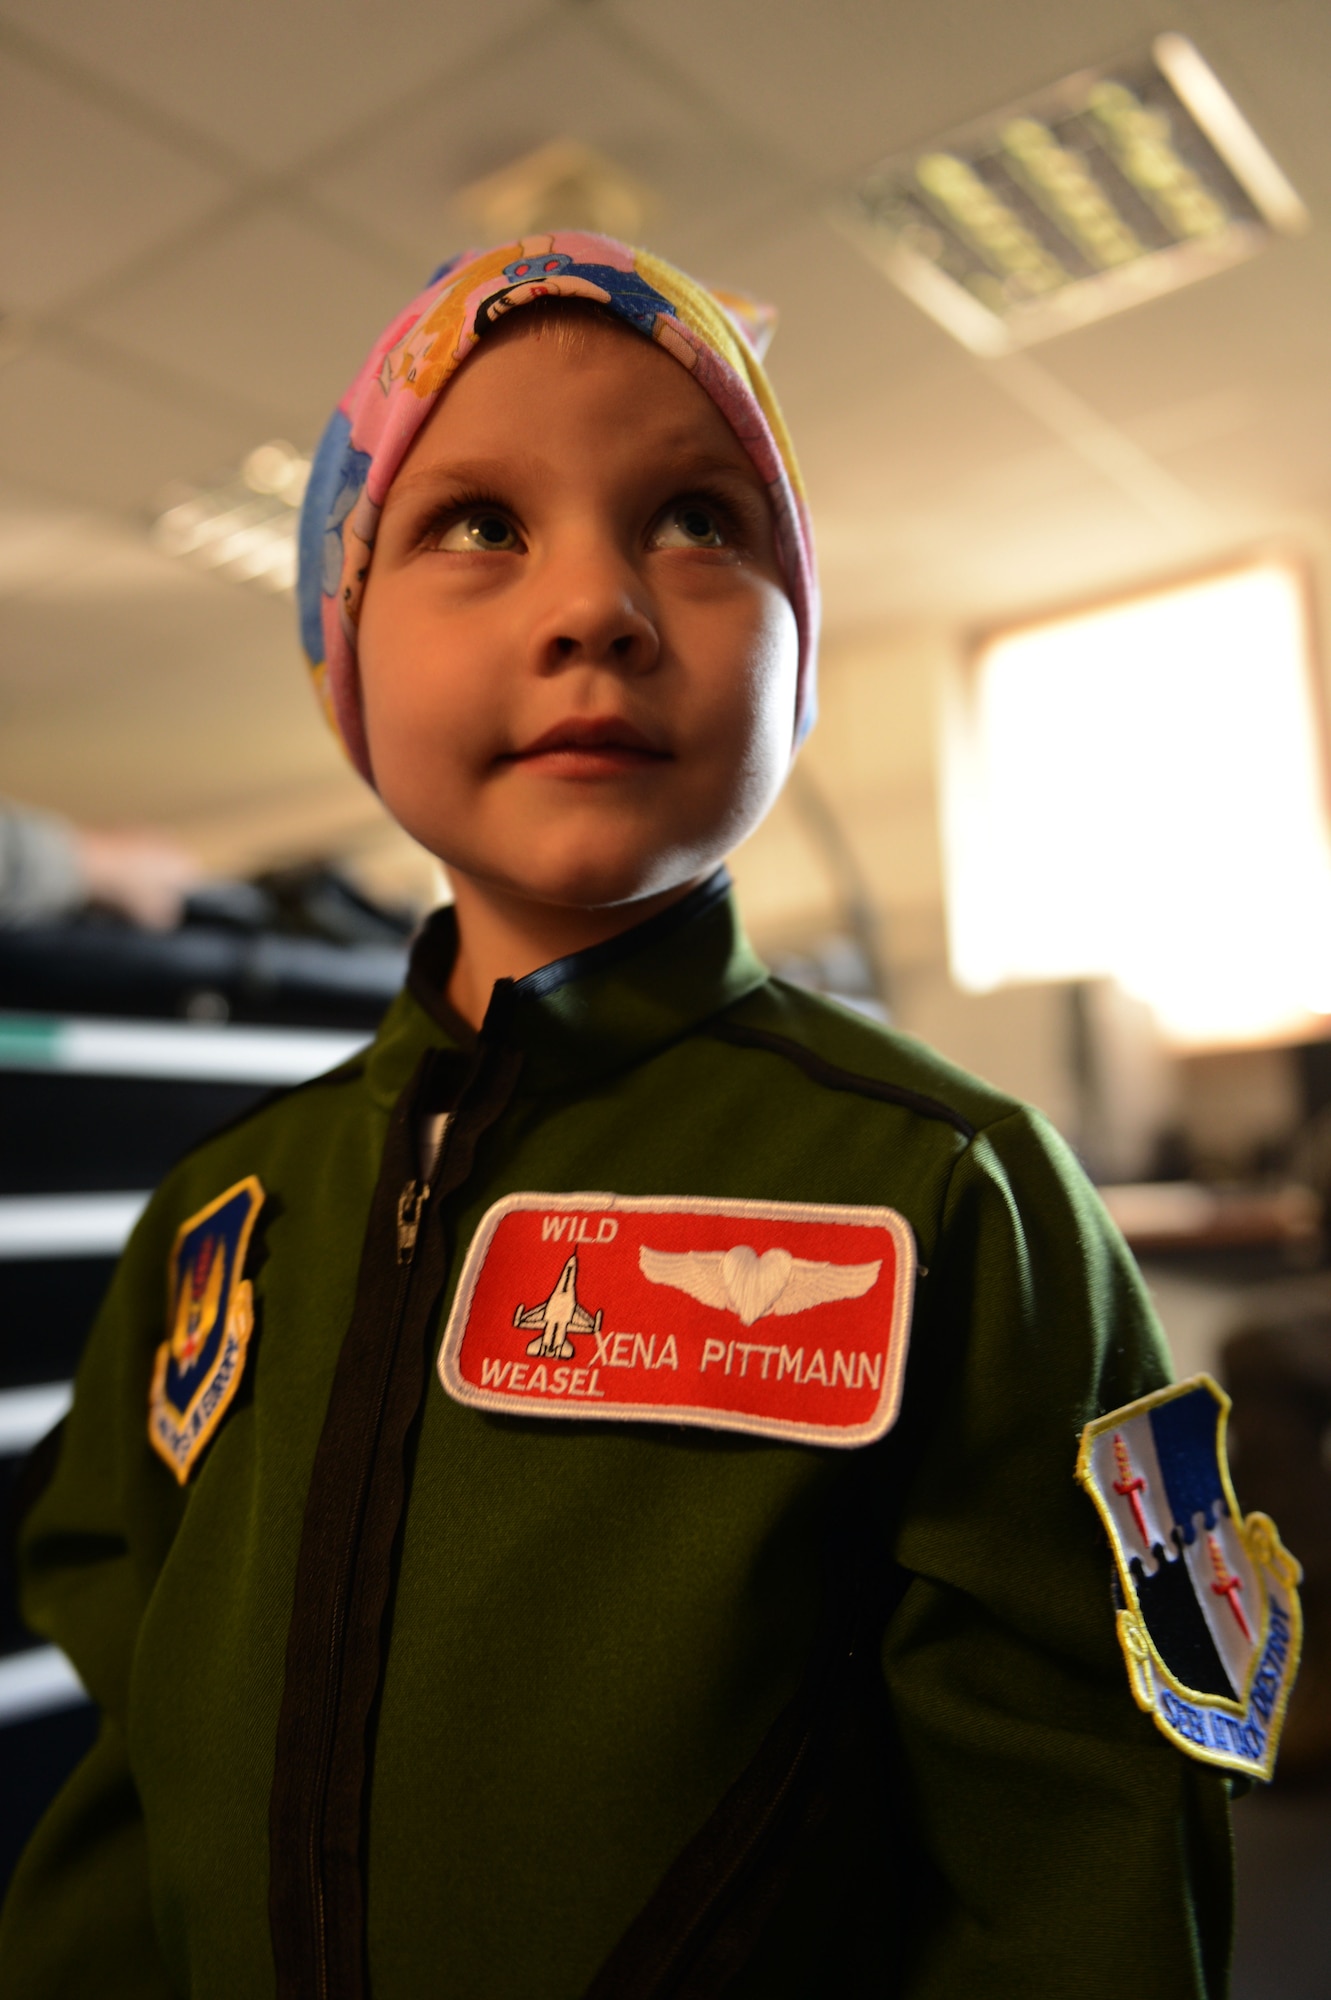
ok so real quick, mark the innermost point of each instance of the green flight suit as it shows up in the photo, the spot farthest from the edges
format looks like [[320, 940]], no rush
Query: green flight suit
[[556, 1646]]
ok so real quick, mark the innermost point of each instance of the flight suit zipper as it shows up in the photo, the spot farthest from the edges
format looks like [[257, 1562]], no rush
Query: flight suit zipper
[[411, 1202], [406, 1252], [357, 1492], [411, 1206]]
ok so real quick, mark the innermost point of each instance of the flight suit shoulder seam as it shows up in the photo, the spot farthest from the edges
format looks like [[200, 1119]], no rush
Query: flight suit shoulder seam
[[833, 1076]]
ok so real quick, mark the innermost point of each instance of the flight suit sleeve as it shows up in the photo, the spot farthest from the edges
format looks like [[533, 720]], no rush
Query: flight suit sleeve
[[77, 1918], [1073, 1850]]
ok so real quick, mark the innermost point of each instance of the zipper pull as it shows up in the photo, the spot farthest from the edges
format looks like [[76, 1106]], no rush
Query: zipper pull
[[409, 1205]]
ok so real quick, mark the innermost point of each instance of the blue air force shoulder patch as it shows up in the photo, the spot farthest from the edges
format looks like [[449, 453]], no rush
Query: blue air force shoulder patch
[[1210, 1623], [210, 1317]]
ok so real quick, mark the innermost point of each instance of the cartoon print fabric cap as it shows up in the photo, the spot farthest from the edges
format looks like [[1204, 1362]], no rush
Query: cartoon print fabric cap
[[717, 337]]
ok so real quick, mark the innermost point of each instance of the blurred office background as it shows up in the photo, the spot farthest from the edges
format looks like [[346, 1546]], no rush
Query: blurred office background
[[1054, 287]]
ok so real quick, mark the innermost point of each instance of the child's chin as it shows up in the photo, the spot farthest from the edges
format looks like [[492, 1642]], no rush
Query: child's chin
[[604, 881]]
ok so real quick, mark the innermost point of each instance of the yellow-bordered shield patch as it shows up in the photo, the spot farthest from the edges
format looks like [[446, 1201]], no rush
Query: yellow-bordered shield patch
[[1209, 1621], [210, 1317]]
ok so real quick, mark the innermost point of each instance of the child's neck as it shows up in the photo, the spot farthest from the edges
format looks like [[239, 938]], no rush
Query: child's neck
[[504, 936]]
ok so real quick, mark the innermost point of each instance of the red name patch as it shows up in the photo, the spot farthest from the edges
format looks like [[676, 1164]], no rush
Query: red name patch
[[781, 1318]]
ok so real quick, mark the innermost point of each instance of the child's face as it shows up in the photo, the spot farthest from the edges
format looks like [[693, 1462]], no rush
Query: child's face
[[578, 658]]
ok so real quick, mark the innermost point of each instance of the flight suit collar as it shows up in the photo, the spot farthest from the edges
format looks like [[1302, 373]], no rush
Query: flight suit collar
[[585, 1016]]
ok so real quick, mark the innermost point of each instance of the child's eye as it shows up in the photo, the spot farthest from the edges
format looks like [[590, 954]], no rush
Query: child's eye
[[483, 531], [690, 524]]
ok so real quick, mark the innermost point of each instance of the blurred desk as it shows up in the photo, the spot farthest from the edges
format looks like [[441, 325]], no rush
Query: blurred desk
[[1157, 1216]]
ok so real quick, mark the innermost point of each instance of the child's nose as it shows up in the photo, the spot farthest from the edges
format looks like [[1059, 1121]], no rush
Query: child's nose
[[598, 621]]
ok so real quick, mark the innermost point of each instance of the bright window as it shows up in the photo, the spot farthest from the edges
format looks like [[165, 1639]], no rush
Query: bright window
[[1137, 792]]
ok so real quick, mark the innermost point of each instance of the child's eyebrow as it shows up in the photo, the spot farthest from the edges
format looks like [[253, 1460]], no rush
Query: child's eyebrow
[[480, 472], [712, 465], [680, 461]]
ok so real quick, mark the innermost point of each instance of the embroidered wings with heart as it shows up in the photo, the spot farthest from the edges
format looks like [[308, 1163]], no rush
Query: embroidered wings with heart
[[742, 1282]]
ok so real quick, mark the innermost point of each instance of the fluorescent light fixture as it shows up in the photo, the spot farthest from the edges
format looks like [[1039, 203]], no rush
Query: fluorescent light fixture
[[1230, 133], [1112, 187], [245, 527], [1137, 792]]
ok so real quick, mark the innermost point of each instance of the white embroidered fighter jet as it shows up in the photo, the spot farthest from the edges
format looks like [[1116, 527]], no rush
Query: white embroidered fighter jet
[[559, 1316]]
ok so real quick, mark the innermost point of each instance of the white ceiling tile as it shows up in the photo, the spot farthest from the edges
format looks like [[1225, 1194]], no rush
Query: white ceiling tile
[[1257, 323], [963, 562], [1278, 464], [84, 190], [839, 85], [921, 440], [569, 83], [161, 708], [55, 553], [68, 431], [1193, 420], [272, 82], [271, 310]]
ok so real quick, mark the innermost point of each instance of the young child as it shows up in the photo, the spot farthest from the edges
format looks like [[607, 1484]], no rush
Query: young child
[[581, 1500]]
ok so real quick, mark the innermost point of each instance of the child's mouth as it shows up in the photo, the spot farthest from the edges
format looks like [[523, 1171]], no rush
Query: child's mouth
[[590, 747]]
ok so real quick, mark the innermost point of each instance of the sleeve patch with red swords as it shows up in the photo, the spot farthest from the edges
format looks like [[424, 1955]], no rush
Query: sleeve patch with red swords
[[1209, 1623]]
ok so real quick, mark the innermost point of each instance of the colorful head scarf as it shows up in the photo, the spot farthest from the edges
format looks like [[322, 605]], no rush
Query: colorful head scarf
[[718, 338]]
